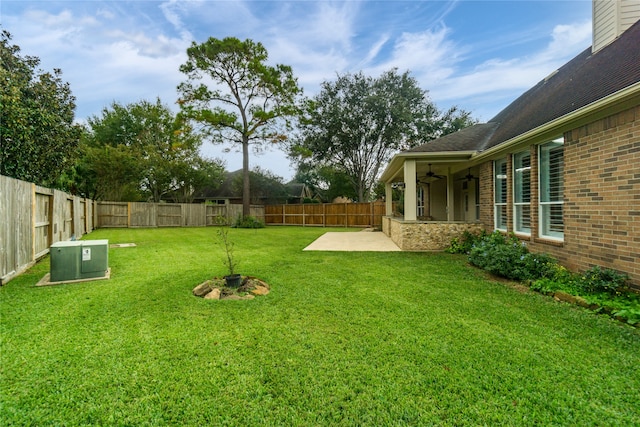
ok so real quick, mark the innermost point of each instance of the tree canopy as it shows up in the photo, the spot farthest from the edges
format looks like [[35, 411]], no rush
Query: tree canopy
[[356, 123], [236, 97], [140, 151], [38, 137]]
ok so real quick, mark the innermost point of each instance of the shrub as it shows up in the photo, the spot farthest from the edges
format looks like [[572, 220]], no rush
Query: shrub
[[545, 285], [463, 244], [248, 222], [506, 256], [606, 280]]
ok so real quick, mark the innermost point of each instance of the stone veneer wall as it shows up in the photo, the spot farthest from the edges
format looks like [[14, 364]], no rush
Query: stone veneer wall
[[425, 236]]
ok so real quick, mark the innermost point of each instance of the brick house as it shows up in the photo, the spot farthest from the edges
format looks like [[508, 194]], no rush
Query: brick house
[[559, 166]]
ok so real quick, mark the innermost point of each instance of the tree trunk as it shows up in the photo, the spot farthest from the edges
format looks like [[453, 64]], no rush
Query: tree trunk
[[246, 189]]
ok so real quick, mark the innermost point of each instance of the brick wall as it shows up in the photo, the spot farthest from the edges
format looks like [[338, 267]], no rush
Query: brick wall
[[602, 194], [602, 197], [486, 195]]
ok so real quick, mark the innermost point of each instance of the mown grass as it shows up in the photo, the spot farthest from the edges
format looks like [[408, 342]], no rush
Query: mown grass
[[342, 339]]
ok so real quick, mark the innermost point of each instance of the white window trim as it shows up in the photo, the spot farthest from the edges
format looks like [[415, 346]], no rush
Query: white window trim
[[541, 204], [498, 204], [516, 205]]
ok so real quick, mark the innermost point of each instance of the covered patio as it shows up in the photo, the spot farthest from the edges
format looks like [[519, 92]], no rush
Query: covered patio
[[439, 191]]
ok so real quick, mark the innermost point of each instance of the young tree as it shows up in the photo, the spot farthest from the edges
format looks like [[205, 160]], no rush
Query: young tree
[[38, 137], [242, 100], [357, 122]]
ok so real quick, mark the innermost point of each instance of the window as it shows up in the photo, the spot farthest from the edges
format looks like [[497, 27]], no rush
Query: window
[[552, 189], [500, 194], [522, 193], [420, 201]]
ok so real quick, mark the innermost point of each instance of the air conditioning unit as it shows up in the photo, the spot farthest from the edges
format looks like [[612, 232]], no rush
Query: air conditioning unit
[[79, 260]]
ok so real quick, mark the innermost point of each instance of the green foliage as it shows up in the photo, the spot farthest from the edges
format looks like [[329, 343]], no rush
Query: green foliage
[[266, 187], [260, 98], [628, 313], [356, 123], [545, 285], [39, 140], [328, 182], [248, 222], [606, 280], [343, 339], [140, 151], [602, 287], [463, 244], [506, 256]]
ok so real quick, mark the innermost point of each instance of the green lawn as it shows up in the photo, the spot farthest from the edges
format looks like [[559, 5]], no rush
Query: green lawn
[[342, 339]]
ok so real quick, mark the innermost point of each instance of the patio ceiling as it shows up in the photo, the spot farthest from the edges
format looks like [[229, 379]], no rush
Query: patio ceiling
[[442, 163]]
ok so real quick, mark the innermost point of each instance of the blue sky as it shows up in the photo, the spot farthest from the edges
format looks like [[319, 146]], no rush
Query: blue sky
[[478, 55]]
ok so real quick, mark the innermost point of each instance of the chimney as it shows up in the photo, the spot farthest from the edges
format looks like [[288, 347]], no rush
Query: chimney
[[611, 18]]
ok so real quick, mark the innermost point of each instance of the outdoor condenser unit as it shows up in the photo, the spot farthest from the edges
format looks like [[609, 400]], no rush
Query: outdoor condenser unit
[[78, 260]]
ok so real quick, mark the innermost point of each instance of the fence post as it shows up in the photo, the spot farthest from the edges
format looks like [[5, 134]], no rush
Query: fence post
[[324, 214], [346, 215], [33, 221], [371, 210]]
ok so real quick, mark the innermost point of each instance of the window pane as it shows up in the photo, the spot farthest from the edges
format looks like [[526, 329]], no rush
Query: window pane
[[522, 177], [552, 189], [501, 181], [523, 218], [551, 172], [552, 224], [500, 194], [501, 217]]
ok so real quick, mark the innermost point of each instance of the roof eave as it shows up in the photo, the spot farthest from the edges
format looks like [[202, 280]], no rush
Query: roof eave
[[616, 102], [397, 162]]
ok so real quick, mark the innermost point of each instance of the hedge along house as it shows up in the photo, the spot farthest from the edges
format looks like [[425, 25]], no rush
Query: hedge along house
[[559, 167]]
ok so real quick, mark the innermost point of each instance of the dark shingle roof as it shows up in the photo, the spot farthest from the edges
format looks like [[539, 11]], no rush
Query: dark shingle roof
[[466, 139], [585, 79]]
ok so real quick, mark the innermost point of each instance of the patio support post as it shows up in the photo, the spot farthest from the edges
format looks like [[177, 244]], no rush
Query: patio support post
[[450, 197], [388, 199], [410, 202]]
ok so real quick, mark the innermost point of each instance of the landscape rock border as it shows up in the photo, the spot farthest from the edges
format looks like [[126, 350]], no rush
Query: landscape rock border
[[216, 289]]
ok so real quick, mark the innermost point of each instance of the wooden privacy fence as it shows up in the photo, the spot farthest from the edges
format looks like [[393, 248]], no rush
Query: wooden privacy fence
[[32, 218], [326, 214], [140, 214]]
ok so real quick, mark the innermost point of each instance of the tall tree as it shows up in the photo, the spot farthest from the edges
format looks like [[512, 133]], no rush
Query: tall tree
[[141, 151], [242, 101], [266, 187], [327, 182], [357, 122], [38, 139]]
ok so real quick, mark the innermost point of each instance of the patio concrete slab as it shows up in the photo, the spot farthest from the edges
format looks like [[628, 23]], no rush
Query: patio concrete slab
[[363, 241]]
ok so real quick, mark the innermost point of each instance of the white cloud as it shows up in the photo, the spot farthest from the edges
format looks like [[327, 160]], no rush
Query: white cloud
[[333, 25], [160, 46], [375, 49], [124, 52], [510, 75]]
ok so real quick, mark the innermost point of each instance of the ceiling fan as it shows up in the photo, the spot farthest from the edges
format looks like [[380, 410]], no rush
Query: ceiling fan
[[430, 177], [468, 177]]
